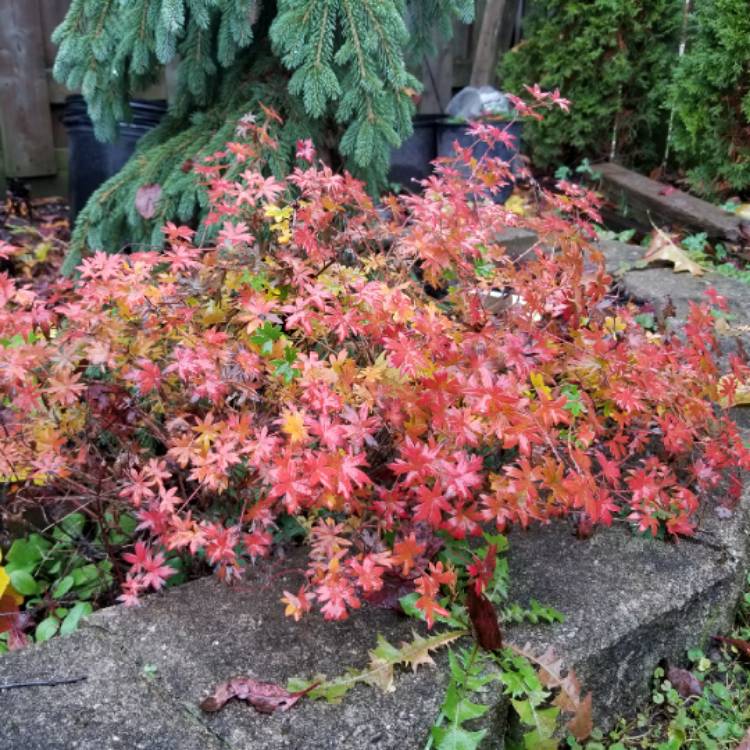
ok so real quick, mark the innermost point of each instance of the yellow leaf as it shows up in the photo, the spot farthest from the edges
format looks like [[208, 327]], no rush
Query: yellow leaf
[[537, 380], [662, 248], [517, 205], [293, 424], [6, 589], [614, 325]]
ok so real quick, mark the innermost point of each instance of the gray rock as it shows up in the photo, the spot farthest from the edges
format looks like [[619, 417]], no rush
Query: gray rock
[[196, 636]]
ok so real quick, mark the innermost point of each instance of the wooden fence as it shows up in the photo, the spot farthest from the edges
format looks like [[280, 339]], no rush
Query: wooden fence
[[28, 93]]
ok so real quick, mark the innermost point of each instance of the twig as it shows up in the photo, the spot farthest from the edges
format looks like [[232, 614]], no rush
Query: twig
[[43, 683]]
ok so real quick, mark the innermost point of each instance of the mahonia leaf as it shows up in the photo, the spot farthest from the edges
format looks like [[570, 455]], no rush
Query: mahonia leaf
[[380, 670], [568, 698], [457, 738]]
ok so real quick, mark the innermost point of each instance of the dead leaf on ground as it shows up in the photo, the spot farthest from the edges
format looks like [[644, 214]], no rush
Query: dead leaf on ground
[[663, 248], [264, 697], [684, 682]]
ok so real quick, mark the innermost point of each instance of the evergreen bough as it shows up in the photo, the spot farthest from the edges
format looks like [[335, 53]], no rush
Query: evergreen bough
[[337, 71], [613, 59], [711, 96]]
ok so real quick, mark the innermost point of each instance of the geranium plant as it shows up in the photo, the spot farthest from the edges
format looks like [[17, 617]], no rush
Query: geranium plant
[[297, 372]]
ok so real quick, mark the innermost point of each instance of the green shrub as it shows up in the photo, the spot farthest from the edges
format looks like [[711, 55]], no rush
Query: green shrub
[[711, 95], [613, 59]]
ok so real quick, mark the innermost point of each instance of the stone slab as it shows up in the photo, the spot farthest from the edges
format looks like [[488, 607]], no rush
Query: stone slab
[[628, 601]]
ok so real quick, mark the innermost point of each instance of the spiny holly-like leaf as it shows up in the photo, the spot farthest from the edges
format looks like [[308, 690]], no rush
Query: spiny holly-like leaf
[[457, 738], [379, 672], [264, 697]]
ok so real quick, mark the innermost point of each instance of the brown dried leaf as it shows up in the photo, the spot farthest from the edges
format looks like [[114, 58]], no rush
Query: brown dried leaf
[[582, 723], [663, 248], [146, 199], [684, 682], [264, 697]]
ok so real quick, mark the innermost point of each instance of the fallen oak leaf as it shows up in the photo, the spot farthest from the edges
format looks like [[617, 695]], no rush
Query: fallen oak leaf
[[663, 248], [264, 697]]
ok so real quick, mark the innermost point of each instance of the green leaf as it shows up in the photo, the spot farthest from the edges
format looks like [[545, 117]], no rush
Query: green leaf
[[457, 738], [265, 337], [24, 554], [63, 586], [23, 582], [46, 629], [74, 617], [86, 574]]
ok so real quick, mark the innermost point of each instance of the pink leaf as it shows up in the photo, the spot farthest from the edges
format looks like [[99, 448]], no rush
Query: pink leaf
[[146, 199]]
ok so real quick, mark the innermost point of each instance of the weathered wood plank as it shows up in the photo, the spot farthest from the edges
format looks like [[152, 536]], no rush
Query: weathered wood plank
[[649, 203], [485, 57], [437, 78], [25, 117], [52, 14]]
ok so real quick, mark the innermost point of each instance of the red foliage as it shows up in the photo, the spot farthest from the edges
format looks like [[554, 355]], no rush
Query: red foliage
[[295, 365]]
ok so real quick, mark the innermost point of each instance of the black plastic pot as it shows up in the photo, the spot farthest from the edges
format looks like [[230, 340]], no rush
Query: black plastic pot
[[412, 161], [91, 162], [449, 131]]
